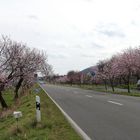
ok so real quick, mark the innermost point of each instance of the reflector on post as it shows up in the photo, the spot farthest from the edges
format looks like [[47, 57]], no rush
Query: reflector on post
[[38, 113]]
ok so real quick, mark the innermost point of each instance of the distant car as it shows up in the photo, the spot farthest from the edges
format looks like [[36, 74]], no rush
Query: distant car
[[42, 82]]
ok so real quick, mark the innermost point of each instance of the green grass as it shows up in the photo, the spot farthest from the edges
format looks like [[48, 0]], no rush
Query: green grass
[[126, 93], [53, 125], [101, 88], [9, 96]]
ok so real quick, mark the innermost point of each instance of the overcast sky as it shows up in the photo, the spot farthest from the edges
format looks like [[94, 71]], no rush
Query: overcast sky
[[74, 33]]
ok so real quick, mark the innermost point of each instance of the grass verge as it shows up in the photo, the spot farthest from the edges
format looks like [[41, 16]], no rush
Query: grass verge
[[53, 126], [101, 88]]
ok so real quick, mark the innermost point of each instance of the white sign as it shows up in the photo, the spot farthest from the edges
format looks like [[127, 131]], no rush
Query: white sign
[[17, 114]]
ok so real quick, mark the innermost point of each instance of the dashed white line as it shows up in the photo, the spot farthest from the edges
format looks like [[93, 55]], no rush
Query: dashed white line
[[89, 96], [115, 103]]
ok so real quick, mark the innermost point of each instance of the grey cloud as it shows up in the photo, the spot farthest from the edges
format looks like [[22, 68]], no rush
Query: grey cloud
[[110, 30], [58, 56], [95, 45], [33, 17], [87, 55], [135, 23], [88, 0], [88, 45], [112, 33], [60, 45], [79, 46]]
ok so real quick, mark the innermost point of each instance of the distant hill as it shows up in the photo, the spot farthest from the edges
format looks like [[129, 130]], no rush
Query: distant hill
[[91, 70]]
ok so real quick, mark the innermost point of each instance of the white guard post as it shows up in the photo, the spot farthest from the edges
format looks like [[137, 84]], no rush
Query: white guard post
[[38, 113]]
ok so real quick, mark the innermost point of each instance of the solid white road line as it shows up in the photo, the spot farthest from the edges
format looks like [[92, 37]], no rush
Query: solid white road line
[[89, 96], [73, 124], [115, 103]]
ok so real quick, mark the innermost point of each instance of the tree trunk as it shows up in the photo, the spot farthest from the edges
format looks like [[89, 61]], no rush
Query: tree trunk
[[105, 84], [128, 86], [128, 83], [17, 88], [138, 77], [112, 85], [71, 83], [120, 81], [2, 101]]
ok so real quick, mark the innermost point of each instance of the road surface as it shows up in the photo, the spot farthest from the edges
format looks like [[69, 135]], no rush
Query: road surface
[[102, 116]]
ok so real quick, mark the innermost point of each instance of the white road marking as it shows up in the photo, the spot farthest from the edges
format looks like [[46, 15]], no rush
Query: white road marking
[[89, 96], [73, 124], [115, 103]]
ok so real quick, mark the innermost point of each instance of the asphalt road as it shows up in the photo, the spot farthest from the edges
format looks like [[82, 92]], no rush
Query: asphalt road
[[102, 116]]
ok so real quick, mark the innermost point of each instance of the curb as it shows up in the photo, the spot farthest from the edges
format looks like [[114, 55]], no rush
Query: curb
[[73, 124]]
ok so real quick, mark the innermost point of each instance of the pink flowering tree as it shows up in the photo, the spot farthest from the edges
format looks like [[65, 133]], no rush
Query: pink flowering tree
[[126, 66], [18, 64], [101, 73], [29, 62], [9, 53], [70, 76], [121, 66], [74, 77], [110, 71], [137, 62]]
